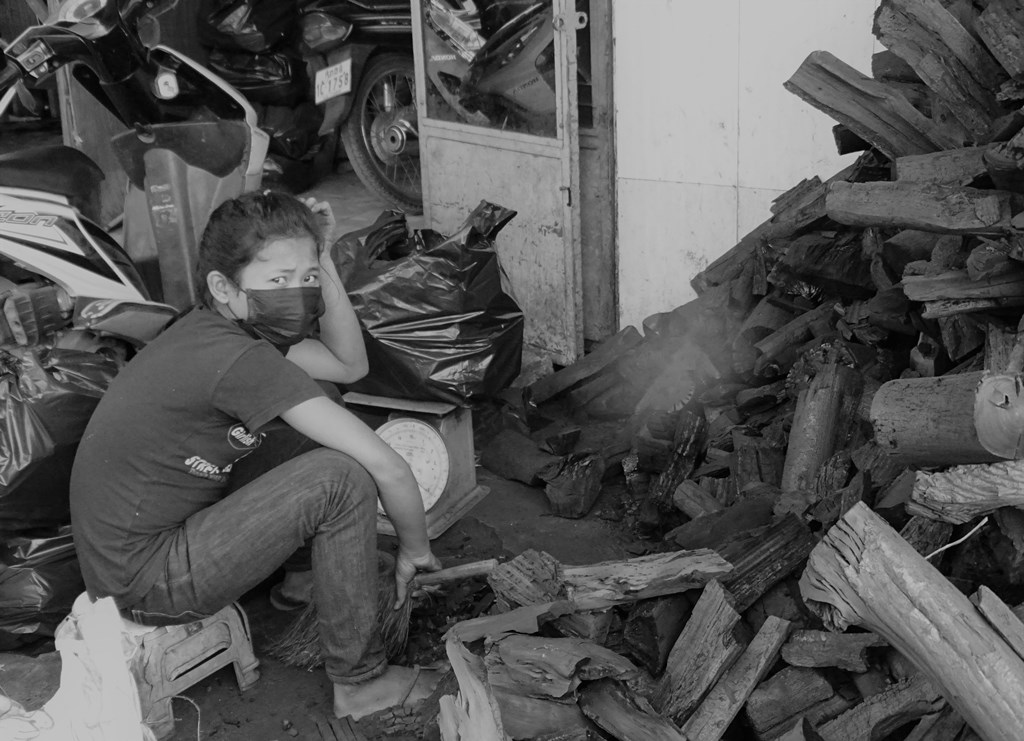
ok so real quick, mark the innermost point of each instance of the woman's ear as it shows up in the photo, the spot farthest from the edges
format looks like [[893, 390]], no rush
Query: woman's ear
[[222, 288]]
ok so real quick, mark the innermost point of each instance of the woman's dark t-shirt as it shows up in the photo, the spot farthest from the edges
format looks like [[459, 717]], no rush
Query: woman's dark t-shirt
[[162, 442]]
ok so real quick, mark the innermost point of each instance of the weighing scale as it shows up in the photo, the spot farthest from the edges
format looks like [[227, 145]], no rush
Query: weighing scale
[[436, 440]]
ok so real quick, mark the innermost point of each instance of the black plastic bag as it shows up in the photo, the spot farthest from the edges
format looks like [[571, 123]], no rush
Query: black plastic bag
[[39, 580], [439, 322], [46, 399], [293, 131], [274, 79], [245, 25]]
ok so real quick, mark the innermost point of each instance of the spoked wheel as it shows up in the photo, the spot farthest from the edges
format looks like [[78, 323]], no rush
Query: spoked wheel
[[380, 135]]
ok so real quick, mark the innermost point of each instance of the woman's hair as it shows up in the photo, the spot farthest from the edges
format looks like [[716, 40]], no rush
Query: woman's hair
[[242, 226]]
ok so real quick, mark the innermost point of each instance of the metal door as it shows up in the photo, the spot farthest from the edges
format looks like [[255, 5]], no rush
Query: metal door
[[498, 121]]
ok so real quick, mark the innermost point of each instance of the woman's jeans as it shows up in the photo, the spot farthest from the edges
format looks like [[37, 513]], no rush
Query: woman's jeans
[[322, 497]]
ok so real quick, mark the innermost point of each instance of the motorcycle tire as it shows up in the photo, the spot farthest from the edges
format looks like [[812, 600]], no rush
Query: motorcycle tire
[[377, 140]]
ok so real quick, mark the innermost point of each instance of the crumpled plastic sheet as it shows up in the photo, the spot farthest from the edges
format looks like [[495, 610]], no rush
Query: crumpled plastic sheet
[[440, 321], [39, 580], [46, 399]]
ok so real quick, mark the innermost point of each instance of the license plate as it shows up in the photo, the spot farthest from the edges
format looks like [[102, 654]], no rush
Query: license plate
[[330, 82]]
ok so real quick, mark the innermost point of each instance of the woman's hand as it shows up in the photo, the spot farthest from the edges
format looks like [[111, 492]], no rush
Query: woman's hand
[[325, 216], [406, 567]]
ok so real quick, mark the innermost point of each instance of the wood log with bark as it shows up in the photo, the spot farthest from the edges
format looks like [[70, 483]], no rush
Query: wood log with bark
[[867, 107], [789, 693], [929, 421], [864, 574], [882, 714], [929, 207]]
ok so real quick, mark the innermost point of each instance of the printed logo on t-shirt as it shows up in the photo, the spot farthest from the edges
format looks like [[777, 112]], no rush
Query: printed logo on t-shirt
[[205, 470], [241, 439]]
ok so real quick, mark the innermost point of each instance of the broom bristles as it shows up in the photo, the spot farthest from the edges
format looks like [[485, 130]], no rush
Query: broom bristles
[[299, 645]]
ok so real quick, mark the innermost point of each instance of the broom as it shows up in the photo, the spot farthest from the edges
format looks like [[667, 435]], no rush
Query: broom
[[299, 645]]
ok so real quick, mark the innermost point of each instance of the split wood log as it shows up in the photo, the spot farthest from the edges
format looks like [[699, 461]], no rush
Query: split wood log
[[882, 714], [801, 205], [822, 423], [693, 501], [871, 109], [877, 464], [1001, 26], [1009, 549], [652, 628], [801, 731], [957, 284], [534, 577], [723, 703], [962, 493], [831, 260], [788, 693], [934, 208], [526, 716], [472, 715], [962, 335], [604, 354], [713, 531], [574, 484], [926, 535], [768, 316], [929, 421], [764, 557], [815, 648], [689, 444], [551, 667], [952, 167], [999, 342], [795, 332], [526, 619], [714, 637], [863, 573], [755, 461], [601, 585], [888, 67], [946, 725], [624, 715], [952, 307], [950, 61], [816, 715], [1000, 617], [513, 455]]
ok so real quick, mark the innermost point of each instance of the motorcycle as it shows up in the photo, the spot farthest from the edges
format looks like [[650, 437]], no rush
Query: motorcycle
[[192, 142], [359, 54]]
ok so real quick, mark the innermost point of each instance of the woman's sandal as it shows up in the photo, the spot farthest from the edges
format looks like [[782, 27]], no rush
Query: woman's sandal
[[279, 601]]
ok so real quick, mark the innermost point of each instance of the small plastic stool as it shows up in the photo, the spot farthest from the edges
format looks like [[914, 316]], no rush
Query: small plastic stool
[[175, 657]]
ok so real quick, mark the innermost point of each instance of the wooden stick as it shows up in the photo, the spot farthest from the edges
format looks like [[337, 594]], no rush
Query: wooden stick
[[456, 573], [709, 644], [863, 573]]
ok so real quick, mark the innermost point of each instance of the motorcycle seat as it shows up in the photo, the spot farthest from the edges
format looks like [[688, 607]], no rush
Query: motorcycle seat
[[53, 169]]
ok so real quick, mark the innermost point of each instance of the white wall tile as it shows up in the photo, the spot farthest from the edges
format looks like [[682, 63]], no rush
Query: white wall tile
[[675, 84], [753, 208], [781, 138], [668, 232]]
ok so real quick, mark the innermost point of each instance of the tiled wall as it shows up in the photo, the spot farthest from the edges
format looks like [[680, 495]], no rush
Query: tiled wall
[[706, 135]]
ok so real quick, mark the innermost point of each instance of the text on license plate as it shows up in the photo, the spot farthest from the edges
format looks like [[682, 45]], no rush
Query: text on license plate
[[333, 81]]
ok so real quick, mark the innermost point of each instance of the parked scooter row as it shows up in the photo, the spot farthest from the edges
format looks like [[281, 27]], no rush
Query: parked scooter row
[[489, 63], [192, 142]]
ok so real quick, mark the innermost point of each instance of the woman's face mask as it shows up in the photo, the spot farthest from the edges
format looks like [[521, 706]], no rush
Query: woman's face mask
[[283, 316]]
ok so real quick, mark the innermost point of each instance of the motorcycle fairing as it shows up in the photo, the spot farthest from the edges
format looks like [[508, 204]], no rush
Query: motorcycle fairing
[[76, 263]]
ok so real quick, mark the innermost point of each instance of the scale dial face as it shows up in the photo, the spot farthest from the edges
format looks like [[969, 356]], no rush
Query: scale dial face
[[424, 450]]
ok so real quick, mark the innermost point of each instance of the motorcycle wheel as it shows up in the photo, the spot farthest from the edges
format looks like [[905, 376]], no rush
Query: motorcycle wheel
[[380, 133]]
